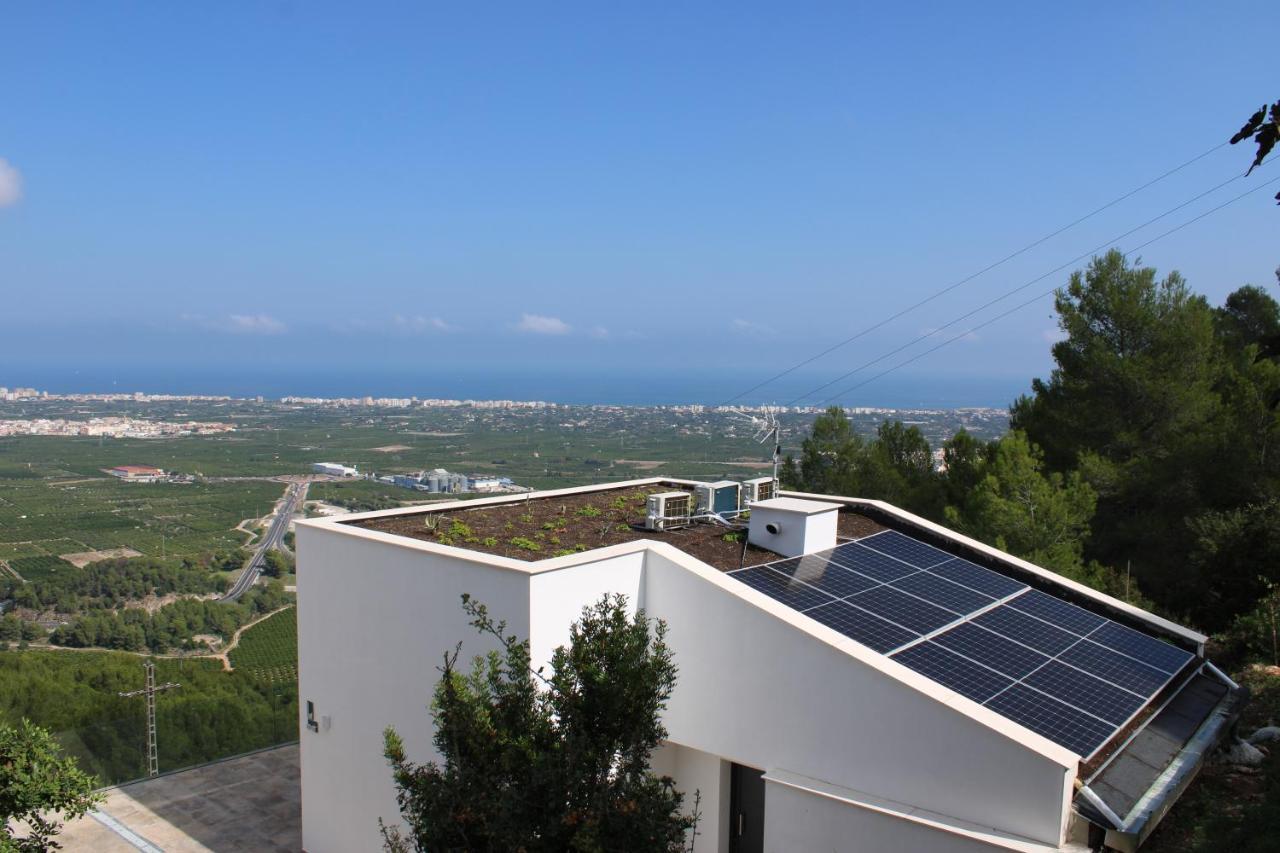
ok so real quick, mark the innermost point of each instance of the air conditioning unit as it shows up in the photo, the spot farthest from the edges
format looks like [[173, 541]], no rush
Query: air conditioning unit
[[667, 510], [720, 498], [759, 489]]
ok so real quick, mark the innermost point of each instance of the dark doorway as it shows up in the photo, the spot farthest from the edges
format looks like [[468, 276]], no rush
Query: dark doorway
[[746, 810]]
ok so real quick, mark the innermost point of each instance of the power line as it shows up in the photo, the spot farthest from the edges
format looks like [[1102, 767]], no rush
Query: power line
[[1009, 293], [971, 277], [1038, 297]]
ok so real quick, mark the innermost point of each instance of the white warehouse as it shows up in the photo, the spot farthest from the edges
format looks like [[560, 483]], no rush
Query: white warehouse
[[333, 469], [852, 677]]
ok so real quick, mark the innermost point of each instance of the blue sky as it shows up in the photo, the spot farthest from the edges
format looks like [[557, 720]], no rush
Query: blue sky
[[585, 190]]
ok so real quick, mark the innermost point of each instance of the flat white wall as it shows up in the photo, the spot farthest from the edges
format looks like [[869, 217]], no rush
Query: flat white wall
[[756, 690], [707, 776], [556, 598], [799, 820], [374, 620]]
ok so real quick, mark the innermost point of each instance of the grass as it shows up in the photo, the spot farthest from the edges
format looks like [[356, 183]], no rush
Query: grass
[[269, 650]]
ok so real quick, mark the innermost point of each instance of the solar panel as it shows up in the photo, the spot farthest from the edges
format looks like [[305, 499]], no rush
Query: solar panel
[[1057, 721], [1057, 612], [902, 609], [824, 574], [1084, 691], [1027, 630], [1056, 668], [905, 548], [982, 646], [964, 677], [791, 593], [977, 578], [1115, 667], [861, 626], [942, 592], [871, 563], [1142, 647]]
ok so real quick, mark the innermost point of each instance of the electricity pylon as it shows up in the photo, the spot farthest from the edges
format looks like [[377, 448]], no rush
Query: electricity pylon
[[150, 691]]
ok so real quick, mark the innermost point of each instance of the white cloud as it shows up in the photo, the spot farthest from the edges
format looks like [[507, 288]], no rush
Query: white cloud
[[600, 333], [418, 324], [254, 324], [238, 324], [537, 324], [10, 184], [753, 329]]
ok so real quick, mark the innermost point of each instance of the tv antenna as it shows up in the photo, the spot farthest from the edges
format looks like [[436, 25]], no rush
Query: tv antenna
[[764, 421], [150, 691]]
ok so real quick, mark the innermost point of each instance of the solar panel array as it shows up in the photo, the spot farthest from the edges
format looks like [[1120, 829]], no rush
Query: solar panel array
[[1068, 674]]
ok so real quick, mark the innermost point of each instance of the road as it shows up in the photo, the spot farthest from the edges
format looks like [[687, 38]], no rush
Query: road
[[273, 539]]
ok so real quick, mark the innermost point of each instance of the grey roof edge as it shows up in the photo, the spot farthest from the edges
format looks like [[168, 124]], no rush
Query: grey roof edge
[[1129, 834]]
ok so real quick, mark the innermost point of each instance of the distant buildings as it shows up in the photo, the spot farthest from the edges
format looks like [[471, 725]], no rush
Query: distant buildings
[[112, 427], [333, 469], [440, 481]]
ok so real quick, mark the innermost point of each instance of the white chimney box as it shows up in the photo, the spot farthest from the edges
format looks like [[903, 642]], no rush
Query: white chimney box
[[792, 526]]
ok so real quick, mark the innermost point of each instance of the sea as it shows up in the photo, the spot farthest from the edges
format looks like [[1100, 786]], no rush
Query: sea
[[630, 387]]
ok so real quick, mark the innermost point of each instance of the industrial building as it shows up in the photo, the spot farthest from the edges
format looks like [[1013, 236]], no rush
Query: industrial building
[[138, 473], [333, 469], [852, 677]]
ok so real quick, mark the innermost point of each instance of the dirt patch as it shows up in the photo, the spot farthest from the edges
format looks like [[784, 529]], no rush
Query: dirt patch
[[392, 448], [84, 558], [756, 466], [538, 528], [640, 464], [434, 434], [851, 525]]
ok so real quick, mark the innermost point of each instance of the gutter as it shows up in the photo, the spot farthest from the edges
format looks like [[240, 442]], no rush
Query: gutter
[[1128, 834]]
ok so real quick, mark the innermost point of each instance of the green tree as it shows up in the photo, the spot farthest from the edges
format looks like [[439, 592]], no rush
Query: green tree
[[276, 564], [548, 763], [1249, 316], [1134, 403], [38, 787], [829, 454], [964, 462], [897, 466], [1018, 507]]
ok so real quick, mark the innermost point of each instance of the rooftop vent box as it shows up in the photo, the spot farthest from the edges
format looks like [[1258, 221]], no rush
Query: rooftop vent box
[[791, 526], [757, 489], [668, 509], [720, 498]]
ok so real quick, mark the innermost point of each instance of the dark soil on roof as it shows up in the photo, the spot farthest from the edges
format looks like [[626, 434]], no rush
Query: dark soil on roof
[[541, 527]]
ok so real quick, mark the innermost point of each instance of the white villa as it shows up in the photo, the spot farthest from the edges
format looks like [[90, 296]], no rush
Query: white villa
[[858, 678]]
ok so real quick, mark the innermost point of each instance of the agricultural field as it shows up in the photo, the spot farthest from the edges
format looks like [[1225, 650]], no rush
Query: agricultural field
[[269, 650], [47, 517], [36, 569]]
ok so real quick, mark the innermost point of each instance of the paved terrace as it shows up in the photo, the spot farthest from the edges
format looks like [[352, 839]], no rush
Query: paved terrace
[[247, 803]]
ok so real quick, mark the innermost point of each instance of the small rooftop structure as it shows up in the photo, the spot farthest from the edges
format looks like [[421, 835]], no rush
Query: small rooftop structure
[[792, 526], [884, 679]]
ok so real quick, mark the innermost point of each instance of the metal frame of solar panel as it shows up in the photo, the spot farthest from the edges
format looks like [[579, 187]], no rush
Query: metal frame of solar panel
[[1071, 675]]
